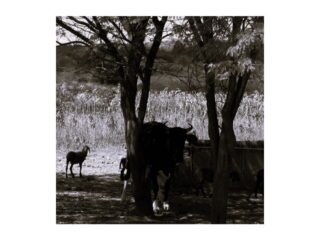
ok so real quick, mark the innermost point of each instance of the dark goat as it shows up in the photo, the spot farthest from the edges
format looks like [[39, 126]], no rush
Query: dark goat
[[259, 183], [76, 157], [124, 175], [204, 178], [124, 169]]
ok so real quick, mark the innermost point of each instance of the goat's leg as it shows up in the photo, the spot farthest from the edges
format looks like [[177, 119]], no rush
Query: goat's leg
[[80, 169], [67, 169], [71, 170]]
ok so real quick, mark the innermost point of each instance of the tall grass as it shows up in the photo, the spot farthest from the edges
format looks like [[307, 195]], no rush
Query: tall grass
[[91, 114]]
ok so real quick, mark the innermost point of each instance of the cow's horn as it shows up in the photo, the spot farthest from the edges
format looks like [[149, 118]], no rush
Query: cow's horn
[[189, 128]]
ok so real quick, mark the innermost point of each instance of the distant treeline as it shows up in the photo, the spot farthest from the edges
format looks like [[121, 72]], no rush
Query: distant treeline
[[178, 67]]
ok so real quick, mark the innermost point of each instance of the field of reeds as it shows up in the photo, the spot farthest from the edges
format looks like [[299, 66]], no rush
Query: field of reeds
[[88, 113]]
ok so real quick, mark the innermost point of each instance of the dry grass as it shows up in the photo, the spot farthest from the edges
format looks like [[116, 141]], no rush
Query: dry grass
[[91, 114]]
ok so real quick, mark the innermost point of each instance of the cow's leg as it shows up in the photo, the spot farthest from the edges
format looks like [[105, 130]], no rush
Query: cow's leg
[[155, 203], [71, 170], [165, 204], [155, 189], [80, 164], [67, 169]]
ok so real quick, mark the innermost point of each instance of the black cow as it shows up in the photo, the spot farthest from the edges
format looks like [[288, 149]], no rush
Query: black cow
[[260, 183], [162, 148]]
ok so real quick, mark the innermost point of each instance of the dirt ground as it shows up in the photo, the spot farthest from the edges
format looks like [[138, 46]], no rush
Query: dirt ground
[[95, 198]]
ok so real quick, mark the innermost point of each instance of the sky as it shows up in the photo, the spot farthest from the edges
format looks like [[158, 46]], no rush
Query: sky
[[167, 42]]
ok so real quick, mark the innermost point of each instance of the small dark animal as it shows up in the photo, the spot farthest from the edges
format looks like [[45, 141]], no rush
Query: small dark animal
[[260, 183], [234, 176], [76, 157], [124, 175], [124, 169], [205, 178]]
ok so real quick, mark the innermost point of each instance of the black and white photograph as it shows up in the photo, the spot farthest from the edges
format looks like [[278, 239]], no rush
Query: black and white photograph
[[160, 119]]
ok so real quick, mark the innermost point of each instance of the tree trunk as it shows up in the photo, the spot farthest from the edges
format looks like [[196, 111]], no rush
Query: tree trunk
[[226, 152], [221, 177], [133, 124], [213, 127], [141, 186]]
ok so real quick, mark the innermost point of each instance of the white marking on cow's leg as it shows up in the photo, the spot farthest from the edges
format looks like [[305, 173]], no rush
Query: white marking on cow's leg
[[166, 206], [155, 206], [123, 195]]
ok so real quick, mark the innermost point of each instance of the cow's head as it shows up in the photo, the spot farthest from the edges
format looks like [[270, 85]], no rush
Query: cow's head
[[177, 138]]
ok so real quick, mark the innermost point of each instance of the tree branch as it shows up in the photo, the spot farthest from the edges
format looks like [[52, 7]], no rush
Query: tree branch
[[89, 22], [111, 48], [149, 65], [73, 31], [197, 37], [82, 23], [72, 42], [242, 83], [119, 31]]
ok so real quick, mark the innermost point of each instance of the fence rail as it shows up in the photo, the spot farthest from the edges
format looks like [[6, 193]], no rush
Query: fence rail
[[249, 160]]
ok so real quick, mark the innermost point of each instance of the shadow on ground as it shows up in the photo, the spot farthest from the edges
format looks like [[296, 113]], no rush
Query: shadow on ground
[[96, 200]]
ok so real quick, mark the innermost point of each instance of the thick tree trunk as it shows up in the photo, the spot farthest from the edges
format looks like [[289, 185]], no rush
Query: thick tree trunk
[[220, 186], [133, 124], [141, 186], [226, 152], [213, 127], [222, 144]]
